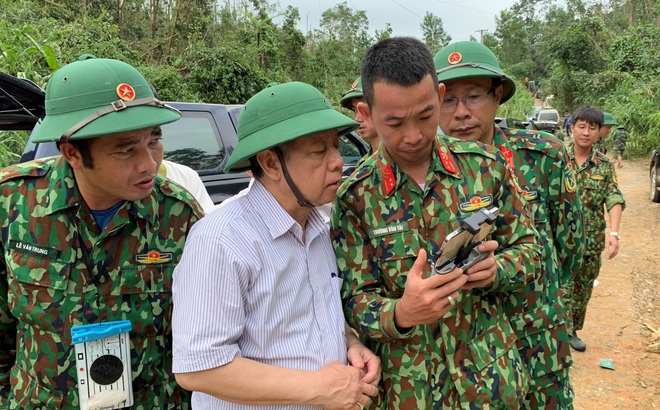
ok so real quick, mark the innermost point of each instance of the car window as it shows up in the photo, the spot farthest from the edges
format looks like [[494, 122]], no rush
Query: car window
[[349, 150], [198, 130], [548, 116]]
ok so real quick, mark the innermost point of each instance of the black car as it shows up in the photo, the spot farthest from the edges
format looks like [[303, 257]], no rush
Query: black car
[[654, 176], [511, 123], [202, 139]]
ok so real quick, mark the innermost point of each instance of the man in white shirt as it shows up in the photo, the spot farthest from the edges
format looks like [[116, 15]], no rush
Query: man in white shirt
[[258, 318]]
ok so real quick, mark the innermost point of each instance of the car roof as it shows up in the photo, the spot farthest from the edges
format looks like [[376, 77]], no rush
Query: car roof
[[21, 103]]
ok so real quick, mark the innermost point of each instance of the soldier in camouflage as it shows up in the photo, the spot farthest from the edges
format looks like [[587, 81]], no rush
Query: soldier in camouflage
[[91, 236], [351, 100], [598, 188], [475, 87], [444, 340], [620, 138], [602, 142]]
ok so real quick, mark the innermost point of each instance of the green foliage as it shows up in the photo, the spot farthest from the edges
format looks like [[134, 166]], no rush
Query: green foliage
[[434, 32], [11, 146], [519, 106]]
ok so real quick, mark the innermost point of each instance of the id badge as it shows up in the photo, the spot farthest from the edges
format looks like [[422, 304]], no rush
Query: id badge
[[103, 365]]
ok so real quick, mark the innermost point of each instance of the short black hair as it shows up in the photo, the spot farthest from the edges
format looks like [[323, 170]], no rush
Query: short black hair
[[83, 147], [402, 61], [591, 115]]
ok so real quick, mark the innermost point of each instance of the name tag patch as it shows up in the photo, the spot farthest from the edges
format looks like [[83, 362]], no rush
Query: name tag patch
[[33, 248], [388, 229]]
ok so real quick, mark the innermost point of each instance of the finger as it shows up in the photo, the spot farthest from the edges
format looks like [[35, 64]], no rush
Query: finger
[[488, 246], [487, 264]]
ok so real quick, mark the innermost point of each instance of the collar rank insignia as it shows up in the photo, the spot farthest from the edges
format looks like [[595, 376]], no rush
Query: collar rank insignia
[[476, 202], [508, 155], [598, 177], [154, 257], [125, 92], [454, 58], [447, 162], [354, 85], [389, 181]]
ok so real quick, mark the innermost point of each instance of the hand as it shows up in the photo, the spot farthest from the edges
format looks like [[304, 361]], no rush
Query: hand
[[612, 246], [425, 301], [364, 359], [341, 387], [484, 272]]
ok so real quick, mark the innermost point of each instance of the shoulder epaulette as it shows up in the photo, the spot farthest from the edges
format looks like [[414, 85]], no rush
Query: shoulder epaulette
[[31, 169], [470, 147], [173, 190], [534, 140], [362, 172], [602, 157]]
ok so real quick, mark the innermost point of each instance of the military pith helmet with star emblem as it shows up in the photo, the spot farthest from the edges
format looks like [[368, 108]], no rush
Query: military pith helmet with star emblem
[[93, 97], [465, 59]]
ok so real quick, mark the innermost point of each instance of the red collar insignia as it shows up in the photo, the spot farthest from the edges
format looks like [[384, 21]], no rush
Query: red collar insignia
[[389, 181], [125, 92], [447, 162], [508, 154]]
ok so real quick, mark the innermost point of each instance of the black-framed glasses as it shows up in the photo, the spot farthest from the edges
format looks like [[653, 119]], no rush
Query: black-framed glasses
[[471, 101]]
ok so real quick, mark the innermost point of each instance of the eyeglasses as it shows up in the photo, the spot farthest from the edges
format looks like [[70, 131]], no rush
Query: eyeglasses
[[471, 101]]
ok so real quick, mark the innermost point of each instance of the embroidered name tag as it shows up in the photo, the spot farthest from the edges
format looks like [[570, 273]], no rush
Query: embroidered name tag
[[389, 229], [50, 253]]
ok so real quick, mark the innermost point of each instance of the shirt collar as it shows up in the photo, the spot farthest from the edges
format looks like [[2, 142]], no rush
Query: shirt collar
[[276, 218]]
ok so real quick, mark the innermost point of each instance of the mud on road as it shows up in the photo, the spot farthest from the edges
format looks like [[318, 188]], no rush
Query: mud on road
[[623, 317]]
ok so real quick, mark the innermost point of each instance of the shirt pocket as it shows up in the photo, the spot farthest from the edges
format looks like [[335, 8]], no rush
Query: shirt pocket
[[396, 254], [41, 284], [145, 295]]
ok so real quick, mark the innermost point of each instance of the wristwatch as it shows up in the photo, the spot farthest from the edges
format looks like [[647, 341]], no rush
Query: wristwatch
[[616, 235]]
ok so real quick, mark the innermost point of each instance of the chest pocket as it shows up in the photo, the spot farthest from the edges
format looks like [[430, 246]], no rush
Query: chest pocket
[[145, 295], [39, 283], [395, 255]]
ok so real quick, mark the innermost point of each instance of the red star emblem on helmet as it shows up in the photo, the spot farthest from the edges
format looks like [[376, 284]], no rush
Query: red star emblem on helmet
[[125, 92], [455, 57]]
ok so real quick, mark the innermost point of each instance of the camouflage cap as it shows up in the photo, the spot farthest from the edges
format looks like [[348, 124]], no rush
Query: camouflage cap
[[354, 92], [282, 113], [466, 59], [609, 119], [93, 97]]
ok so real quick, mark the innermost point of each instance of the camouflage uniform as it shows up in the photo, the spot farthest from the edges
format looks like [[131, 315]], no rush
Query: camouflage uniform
[[537, 313], [601, 145], [620, 138], [597, 185], [46, 291], [381, 219]]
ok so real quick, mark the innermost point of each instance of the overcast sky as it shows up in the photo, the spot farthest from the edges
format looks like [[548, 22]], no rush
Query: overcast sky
[[461, 18]]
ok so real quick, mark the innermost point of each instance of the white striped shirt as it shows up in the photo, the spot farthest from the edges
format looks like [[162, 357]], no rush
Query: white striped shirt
[[247, 285]]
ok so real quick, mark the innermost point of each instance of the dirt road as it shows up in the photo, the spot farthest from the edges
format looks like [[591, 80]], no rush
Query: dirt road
[[623, 318]]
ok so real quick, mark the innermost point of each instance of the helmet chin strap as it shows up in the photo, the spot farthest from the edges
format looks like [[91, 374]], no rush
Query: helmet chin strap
[[301, 200]]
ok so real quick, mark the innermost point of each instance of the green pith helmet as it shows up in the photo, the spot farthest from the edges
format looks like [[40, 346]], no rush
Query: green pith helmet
[[281, 113], [354, 92], [466, 59], [93, 97], [609, 119]]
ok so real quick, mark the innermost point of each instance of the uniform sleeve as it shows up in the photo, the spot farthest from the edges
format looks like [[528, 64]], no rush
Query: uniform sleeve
[[364, 307], [613, 195], [519, 252], [7, 334], [566, 217]]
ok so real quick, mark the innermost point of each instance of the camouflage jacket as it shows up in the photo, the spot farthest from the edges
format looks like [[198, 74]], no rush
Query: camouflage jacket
[[547, 178], [620, 138], [598, 186], [46, 287], [381, 219]]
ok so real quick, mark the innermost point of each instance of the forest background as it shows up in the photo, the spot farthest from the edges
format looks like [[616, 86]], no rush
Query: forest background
[[602, 53]]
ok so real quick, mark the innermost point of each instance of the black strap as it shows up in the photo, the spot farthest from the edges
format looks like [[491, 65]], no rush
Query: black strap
[[114, 107], [301, 200]]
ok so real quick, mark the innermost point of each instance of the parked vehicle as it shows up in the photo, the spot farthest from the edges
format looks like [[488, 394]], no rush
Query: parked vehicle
[[511, 123], [547, 120], [202, 139], [654, 176]]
